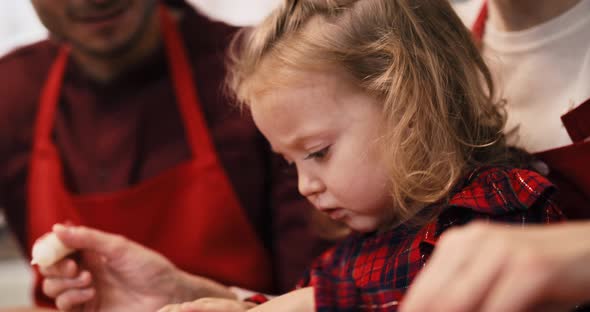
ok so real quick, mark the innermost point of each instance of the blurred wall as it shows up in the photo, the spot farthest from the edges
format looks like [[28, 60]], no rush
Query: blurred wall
[[236, 12], [19, 24]]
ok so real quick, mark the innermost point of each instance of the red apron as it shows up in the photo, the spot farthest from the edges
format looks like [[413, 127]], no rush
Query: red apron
[[189, 213], [569, 165]]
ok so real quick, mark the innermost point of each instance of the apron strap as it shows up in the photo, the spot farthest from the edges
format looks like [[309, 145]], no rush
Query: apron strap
[[182, 80], [184, 84], [50, 97], [577, 122], [479, 27]]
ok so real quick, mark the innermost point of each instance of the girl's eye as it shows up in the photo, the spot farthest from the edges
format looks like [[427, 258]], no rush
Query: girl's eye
[[319, 154]]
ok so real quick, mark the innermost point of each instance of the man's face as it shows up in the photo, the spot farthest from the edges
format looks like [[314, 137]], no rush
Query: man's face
[[97, 27]]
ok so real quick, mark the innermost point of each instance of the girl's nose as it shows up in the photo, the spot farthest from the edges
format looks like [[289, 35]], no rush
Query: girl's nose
[[309, 185]]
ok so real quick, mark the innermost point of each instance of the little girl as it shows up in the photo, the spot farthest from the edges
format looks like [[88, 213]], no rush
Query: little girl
[[386, 110]]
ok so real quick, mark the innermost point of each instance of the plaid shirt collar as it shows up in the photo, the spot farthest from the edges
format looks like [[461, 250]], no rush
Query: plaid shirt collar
[[490, 191], [372, 271]]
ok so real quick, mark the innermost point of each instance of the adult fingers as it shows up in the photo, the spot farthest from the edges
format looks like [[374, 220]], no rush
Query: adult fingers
[[521, 287], [79, 237], [53, 287], [450, 257], [469, 288], [209, 305], [73, 298], [65, 268]]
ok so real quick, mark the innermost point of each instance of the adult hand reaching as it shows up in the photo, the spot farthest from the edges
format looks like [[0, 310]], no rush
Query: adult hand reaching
[[115, 274], [486, 267]]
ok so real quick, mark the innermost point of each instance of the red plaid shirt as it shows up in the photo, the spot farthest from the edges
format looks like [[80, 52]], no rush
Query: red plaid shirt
[[371, 272]]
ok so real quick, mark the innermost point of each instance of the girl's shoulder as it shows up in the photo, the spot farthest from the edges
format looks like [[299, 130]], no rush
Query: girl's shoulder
[[500, 190]]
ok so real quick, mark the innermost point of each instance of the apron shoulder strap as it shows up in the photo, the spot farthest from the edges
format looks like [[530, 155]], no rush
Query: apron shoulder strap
[[479, 26]]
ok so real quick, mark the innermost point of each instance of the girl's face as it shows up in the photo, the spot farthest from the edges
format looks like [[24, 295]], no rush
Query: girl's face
[[329, 129]]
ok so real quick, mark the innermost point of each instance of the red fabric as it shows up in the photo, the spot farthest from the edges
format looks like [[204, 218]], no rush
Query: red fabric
[[112, 137], [191, 214], [479, 25], [568, 165], [257, 299], [371, 272], [577, 122]]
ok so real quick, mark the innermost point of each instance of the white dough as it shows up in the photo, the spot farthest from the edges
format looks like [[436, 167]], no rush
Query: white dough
[[49, 249]]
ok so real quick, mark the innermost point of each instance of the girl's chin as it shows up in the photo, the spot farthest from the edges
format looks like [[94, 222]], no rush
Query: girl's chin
[[363, 227]]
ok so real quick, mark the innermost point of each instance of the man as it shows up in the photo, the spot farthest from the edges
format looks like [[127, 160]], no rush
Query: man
[[119, 123]]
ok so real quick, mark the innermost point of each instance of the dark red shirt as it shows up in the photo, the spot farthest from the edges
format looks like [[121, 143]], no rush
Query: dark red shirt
[[371, 272], [112, 136]]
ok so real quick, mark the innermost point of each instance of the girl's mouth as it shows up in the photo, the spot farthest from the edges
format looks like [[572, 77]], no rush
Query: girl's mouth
[[334, 213]]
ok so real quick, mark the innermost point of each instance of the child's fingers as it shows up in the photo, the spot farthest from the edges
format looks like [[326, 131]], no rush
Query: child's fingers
[[65, 268], [207, 305], [170, 308], [202, 305], [53, 287], [73, 298]]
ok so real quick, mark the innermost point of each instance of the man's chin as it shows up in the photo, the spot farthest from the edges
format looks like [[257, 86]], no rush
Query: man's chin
[[103, 50]]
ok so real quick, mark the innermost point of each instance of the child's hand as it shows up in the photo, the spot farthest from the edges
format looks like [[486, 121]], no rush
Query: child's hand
[[209, 305]]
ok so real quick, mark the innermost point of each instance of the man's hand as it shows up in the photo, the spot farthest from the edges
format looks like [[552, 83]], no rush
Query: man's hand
[[114, 274]]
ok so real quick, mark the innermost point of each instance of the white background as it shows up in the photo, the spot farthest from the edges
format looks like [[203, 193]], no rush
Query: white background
[[19, 24]]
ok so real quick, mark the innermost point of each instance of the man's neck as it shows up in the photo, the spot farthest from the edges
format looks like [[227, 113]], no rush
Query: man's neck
[[104, 69], [515, 15]]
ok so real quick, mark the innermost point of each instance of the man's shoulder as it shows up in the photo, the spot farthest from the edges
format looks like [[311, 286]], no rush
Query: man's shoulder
[[468, 10], [30, 55], [22, 73]]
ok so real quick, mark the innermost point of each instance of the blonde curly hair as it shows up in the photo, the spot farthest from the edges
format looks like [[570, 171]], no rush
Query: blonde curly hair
[[415, 56]]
